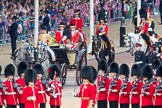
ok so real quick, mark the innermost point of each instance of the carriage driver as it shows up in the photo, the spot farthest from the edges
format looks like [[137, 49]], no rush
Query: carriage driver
[[46, 38], [75, 37]]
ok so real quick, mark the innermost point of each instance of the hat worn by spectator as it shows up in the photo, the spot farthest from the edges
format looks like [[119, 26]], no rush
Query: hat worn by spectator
[[138, 45]]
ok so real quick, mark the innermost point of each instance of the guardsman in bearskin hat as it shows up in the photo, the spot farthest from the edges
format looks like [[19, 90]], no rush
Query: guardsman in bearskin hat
[[95, 74], [11, 93], [114, 86], [125, 87], [158, 88], [30, 91], [40, 86], [87, 98], [140, 57], [55, 93], [60, 35], [77, 21], [1, 90], [22, 67], [136, 86], [148, 88], [102, 84]]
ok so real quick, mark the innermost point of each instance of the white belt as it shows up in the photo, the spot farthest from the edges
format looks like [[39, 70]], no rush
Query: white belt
[[41, 92], [139, 62], [10, 93], [150, 64]]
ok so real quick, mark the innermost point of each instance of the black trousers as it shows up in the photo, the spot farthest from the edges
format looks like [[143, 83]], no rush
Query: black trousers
[[124, 105], [157, 106], [113, 104], [147, 107], [135, 106], [53, 106], [22, 105], [13, 45], [102, 104], [42, 105], [11, 106], [0, 106]]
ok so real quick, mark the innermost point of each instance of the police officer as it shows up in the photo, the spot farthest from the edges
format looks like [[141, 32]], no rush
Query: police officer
[[140, 57]]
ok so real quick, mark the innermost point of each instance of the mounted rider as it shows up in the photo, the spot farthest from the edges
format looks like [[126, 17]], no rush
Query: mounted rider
[[102, 32]]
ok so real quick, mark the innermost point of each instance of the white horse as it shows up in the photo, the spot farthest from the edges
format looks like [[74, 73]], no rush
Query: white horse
[[131, 39]]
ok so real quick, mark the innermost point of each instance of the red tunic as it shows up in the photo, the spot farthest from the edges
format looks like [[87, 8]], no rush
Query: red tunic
[[114, 96], [41, 92], [75, 37], [57, 87], [87, 94], [59, 36], [11, 96], [78, 23], [135, 98], [102, 95], [143, 27], [30, 92], [158, 99], [147, 100], [124, 99], [21, 83], [102, 28], [1, 97]]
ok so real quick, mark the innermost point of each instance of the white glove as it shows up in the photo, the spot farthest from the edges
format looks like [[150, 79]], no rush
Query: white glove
[[75, 94], [33, 98], [55, 96], [64, 38], [100, 34]]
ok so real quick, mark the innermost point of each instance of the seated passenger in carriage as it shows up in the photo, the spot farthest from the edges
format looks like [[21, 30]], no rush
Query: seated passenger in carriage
[[46, 38], [75, 37], [61, 35]]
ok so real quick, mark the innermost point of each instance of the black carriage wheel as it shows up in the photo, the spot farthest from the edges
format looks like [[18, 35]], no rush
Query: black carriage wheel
[[82, 62], [63, 74]]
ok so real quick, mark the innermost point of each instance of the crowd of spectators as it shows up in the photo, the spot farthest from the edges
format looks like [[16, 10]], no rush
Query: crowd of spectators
[[58, 10]]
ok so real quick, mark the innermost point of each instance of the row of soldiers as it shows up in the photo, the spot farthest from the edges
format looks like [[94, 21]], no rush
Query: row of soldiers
[[31, 88], [144, 91]]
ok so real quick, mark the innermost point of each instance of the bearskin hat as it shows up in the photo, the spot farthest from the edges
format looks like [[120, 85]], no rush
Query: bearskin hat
[[143, 13], [102, 65], [0, 69], [95, 73], [39, 69], [9, 70], [54, 69], [147, 72], [114, 67], [87, 73], [22, 67], [155, 64], [30, 76], [124, 70], [136, 70], [159, 71]]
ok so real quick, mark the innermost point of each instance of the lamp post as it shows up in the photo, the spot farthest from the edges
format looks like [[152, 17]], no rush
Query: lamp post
[[91, 25], [138, 15], [36, 11]]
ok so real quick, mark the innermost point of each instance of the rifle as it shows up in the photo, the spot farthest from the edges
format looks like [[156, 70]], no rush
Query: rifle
[[158, 88], [102, 82], [136, 84], [2, 86], [146, 87], [114, 82], [17, 86], [124, 85]]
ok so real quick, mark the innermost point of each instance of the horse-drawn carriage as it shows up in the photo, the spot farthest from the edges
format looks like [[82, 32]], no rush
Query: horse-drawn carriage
[[67, 58]]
